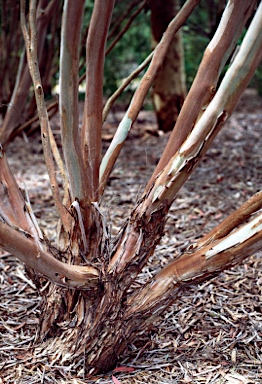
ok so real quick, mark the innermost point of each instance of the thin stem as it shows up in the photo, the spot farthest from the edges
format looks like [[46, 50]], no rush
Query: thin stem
[[126, 27], [51, 109], [31, 48], [124, 84], [117, 21]]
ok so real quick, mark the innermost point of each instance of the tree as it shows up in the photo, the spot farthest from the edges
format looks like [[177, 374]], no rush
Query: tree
[[169, 90], [90, 305]]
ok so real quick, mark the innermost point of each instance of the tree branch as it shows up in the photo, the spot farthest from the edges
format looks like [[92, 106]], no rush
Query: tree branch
[[68, 101], [69, 276], [236, 79], [204, 87], [92, 119], [124, 84], [191, 268], [153, 206], [117, 143], [232, 221], [14, 210]]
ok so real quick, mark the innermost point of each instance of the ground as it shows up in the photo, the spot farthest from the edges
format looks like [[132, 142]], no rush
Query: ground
[[213, 334]]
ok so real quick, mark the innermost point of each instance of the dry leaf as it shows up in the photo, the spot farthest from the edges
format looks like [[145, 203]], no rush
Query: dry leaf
[[115, 380]]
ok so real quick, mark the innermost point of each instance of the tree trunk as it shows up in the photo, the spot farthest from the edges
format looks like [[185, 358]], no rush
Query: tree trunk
[[169, 90], [98, 324]]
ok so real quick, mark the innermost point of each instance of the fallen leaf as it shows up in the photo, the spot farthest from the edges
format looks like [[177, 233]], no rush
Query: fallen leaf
[[115, 380]]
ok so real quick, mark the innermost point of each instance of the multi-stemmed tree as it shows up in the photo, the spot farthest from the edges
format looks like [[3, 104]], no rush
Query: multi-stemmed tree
[[90, 304]]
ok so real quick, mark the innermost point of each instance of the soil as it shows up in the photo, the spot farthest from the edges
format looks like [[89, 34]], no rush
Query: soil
[[211, 335]]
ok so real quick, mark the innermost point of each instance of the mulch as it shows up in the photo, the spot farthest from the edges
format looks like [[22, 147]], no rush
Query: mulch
[[213, 334]]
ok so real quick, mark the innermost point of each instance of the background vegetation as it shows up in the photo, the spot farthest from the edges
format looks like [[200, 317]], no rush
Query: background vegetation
[[135, 45]]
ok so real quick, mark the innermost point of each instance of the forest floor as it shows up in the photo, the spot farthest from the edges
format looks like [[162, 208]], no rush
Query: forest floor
[[213, 334]]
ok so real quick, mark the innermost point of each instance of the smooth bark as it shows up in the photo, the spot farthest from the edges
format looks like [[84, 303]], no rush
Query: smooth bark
[[204, 86]]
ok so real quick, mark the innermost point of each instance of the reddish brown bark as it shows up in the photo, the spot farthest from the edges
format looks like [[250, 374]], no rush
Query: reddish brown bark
[[205, 83]]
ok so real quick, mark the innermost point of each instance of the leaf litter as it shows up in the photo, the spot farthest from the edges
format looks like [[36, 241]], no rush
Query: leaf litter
[[213, 333]]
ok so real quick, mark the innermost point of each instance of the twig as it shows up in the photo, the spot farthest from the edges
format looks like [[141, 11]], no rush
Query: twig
[[126, 27], [52, 106], [32, 215], [119, 19], [124, 84]]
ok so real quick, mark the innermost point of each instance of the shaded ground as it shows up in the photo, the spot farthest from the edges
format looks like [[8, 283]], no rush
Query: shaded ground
[[214, 333]]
